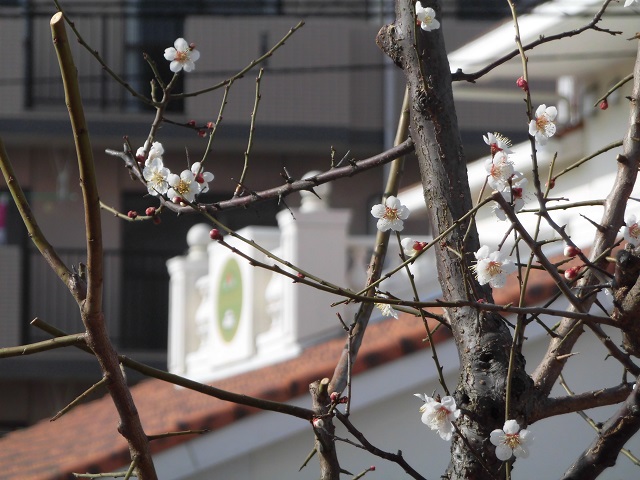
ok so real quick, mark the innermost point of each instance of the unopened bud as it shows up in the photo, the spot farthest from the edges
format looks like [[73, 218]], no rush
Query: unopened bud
[[604, 104], [202, 133], [571, 251], [150, 211], [522, 83], [318, 423], [132, 214], [210, 125], [419, 246], [191, 123], [157, 220], [215, 234], [334, 397], [551, 183], [571, 273]]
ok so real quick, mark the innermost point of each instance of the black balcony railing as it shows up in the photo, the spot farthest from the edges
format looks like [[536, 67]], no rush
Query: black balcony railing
[[135, 303]]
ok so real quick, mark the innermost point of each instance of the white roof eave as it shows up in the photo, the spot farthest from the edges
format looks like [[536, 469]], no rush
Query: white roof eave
[[587, 52]]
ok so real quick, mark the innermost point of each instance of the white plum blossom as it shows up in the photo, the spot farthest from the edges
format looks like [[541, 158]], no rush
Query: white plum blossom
[[390, 214], [439, 415], [182, 56], [427, 18], [497, 143], [202, 177], [514, 195], [500, 169], [631, 231], [542, 126], [387, 310], [155, 174], [628, 3], [511, 441], [412, 247], [492, 267], [183, 186], [156, 151]]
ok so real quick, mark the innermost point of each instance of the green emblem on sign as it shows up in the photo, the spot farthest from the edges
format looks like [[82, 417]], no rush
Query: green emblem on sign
[[229, 300]]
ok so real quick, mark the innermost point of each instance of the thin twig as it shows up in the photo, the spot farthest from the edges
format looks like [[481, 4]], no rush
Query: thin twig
[[252, 128], [79, 398]]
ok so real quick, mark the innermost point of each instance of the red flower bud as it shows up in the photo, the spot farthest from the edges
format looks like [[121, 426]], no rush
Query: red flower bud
[[571, 273], [522, 83], [604, 104], [191, 123], [334, 396], [419, 246], [552, 183], [132, 214], [176, 200], [215, 234], [202, 133], [150, 211], [210, 125], [372, 468], [157, 220], [571, 251]]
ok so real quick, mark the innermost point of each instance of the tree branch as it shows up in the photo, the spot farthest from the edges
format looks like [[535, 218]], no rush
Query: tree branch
[[569, 330], [282, 191], [592, 25], [604, 451], [130, 426]]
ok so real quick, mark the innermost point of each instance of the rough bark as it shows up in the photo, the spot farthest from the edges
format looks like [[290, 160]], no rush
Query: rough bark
[[482, 339]]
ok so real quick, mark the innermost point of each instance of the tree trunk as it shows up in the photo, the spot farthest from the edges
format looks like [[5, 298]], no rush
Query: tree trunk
[[483, 340]]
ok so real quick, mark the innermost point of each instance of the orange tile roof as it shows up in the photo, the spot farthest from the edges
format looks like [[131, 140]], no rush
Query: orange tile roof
[[86, 440]]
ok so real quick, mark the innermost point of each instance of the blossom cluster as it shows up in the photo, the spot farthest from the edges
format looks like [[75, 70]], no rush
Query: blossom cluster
[[160, 181], [440, 413], [501, 174]]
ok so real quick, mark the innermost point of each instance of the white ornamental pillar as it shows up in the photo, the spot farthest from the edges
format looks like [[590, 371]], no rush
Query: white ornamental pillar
[[314, 238], [184, 297]]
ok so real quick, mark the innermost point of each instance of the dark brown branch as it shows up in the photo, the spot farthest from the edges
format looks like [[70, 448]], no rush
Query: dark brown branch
[[552, 407], [393, 457], [569, 330], [592, 25], [604, 451], [286, 189]]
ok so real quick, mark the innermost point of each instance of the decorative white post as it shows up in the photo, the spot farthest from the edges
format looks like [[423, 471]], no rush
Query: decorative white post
[[184, 297], [314, 238]]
